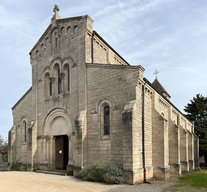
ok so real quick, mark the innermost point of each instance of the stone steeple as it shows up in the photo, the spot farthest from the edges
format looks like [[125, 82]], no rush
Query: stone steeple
[[161, 89], [56, 13]]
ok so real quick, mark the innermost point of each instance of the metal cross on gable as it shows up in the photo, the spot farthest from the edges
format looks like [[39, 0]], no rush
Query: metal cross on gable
[[156, 72]]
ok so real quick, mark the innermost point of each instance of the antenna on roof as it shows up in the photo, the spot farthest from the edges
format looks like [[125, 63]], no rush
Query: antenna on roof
[[156, 72]]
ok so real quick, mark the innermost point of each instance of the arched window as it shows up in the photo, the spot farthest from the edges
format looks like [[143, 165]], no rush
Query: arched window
[[25, 131], [59, 82], [67, 78], [50, 87], [47, 85], [106, 120]]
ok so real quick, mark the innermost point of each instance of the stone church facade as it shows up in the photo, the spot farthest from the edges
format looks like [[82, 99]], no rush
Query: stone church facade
[[87, 105]]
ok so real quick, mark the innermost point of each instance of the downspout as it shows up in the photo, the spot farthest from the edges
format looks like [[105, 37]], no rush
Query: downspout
[[143, 136], [92, 47]]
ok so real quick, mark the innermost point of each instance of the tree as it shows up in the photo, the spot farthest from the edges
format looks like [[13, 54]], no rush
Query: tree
[[197, 111], [3, 144]]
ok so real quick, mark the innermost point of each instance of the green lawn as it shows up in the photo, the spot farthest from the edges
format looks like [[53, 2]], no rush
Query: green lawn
[[196, 181]]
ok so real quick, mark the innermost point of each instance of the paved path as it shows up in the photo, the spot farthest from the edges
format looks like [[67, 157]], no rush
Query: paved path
[[3, 169], [14, 181]]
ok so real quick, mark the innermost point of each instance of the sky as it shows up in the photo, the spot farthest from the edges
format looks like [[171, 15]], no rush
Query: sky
[[169, 36]]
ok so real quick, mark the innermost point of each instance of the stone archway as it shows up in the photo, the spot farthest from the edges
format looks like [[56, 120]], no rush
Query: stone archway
[[58, 132]]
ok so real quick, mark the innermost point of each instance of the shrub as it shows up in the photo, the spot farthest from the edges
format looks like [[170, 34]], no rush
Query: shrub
[[24, 168], [112, 174], [109, 174], [35, 169], [69, 172], [14, 166], [89, 173]]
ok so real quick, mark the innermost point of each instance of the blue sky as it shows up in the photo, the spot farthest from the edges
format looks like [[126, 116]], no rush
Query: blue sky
[[167, 35]]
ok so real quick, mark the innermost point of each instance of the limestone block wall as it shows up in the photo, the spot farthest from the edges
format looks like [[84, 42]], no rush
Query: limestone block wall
[[174, 148], [101, 52], [62, 44], [12, 145], [160, 157], [191, 150], [196, 150], [119, 92], [21, 115], [184, 150], [138, 164], [174, 117]]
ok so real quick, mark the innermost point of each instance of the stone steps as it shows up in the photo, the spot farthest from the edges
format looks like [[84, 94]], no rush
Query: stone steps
[[53, 172]]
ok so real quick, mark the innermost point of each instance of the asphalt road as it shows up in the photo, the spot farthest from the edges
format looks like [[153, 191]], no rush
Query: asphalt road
[[3, 169]]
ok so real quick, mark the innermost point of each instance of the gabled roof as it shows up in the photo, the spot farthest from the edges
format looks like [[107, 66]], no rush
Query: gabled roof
[[159, 87]]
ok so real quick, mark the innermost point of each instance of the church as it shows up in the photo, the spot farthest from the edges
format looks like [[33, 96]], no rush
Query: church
[[88, 105]]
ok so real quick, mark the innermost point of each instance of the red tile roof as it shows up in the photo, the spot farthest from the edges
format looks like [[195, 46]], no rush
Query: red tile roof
[[2, 152]]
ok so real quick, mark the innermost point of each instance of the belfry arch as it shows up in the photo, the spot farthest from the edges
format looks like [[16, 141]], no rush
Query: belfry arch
[[57, 141]]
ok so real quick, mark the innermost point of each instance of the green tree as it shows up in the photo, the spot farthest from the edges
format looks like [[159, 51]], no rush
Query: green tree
[[3, 144], [197, 111]]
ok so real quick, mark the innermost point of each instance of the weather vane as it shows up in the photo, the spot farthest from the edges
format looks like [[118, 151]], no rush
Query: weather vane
[[156, 72]]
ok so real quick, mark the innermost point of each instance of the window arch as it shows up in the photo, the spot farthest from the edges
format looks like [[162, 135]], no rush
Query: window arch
[[59, 82], [57, 88], [25, 131], [47, 85], [67, 77], [106, 120]]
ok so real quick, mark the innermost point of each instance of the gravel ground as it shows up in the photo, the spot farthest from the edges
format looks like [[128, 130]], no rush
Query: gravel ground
[[33, 182]]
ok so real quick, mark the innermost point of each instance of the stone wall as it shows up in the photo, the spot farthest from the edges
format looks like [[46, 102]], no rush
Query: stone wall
[[119, 92]]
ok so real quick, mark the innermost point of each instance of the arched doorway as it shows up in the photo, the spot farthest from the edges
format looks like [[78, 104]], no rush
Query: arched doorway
[[58, 127]]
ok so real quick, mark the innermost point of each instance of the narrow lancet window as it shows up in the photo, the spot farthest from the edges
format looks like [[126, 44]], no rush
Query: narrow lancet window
[[25, 131], [50, 88], [68, 79], [106, 120], [59, 82]]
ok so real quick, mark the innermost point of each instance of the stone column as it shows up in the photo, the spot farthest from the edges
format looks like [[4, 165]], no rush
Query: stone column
[[52, 153], [196, 150], [190, 151], [62, 75], [174, 149], [184, 150]]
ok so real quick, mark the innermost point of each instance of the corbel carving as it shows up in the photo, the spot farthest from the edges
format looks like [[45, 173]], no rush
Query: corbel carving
[[62, 75]]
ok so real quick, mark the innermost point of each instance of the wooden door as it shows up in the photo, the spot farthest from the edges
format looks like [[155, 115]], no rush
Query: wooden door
[[59, 145]]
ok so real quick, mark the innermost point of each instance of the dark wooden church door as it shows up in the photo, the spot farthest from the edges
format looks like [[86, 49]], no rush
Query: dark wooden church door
[[61, 152]]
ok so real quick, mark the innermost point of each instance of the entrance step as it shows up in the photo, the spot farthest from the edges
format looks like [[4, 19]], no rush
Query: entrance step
[[53, 172]]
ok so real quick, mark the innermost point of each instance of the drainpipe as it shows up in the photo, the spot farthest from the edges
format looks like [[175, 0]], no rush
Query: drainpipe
[[92, 47], [143, 146]]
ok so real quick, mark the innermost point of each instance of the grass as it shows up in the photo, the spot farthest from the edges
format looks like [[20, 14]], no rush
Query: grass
[[191, 182]]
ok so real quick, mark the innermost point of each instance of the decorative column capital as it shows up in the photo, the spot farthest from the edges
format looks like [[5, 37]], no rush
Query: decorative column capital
[[52, 79]]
